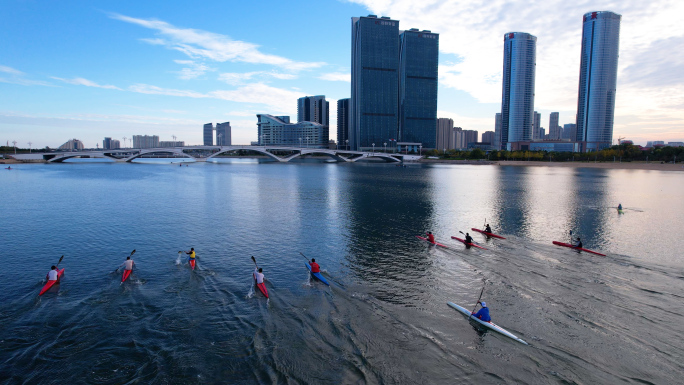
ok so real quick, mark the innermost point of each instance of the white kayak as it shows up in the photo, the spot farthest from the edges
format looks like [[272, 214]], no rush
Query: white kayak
[[489, 325]]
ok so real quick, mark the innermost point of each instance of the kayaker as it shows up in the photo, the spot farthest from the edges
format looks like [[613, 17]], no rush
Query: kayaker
[[578, 243], [259, 275], [430, 237], [488, 229], [53, 274], [468, 238], [191, 254], [483, 313], [314, 266], [619, 206], [128, 264]]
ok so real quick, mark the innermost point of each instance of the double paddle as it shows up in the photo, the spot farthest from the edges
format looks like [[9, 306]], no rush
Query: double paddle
[[117, 269], [479, 298]]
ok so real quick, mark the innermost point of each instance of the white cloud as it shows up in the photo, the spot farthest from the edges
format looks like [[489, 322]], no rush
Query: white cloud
[[651, 38], [235, 78], [154, 90], [194, 69], [17, 77], [197, 43], [86, 82], [10, 70], [337, 77]]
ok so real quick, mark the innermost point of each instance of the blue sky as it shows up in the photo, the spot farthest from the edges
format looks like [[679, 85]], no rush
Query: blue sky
[[86, 70]]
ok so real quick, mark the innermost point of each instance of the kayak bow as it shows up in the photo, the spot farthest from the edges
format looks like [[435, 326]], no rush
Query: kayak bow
[[428, 241], [318, 276], [261, 286], [488, 234], [466, 243], [489, 325], [49, 284], [576, 248]]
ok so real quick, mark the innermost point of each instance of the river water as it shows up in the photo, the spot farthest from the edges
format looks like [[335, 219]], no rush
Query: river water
[[588, 319]]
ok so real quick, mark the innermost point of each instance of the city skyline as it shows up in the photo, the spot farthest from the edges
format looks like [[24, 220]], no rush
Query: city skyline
[[126, 68]]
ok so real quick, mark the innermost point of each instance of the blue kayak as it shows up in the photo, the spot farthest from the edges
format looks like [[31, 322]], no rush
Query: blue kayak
[[318, 276]]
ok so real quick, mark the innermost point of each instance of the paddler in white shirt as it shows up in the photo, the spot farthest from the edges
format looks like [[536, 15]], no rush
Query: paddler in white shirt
[[128, 264], [259, 275], [53, 274]]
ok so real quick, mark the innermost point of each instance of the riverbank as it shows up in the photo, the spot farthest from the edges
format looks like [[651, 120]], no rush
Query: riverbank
[[612, 165]]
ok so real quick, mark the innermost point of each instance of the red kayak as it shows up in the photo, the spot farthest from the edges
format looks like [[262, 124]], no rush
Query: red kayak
[[261, 286], [126, 273], [466, 243], [576, 248], [192, 263], [488, 234], [428, 241], [49, 284]]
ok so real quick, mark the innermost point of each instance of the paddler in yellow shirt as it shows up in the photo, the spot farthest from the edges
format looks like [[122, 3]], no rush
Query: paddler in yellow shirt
[[191, 253]]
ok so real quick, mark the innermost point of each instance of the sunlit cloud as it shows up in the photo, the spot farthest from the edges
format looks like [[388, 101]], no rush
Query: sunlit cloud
[[197, 43], [10, 70], [86, 82], [193, 69], [14, 76], [337, 77], [235, 78]]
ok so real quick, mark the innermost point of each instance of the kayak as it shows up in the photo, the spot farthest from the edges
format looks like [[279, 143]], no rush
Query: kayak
[[318, 276], [49, 284], [467, 244], [488, 234], [428, 241], [489, 325], [126, 273], [192, 263], [261, 286], [576, 248]]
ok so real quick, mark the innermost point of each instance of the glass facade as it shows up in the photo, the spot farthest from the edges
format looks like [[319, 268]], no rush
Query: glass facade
[[313, 109], [209, 134], [375, 82], [343, 123], [598, 79], [419, 56], [223, 134], [278, 131], [517, 102]]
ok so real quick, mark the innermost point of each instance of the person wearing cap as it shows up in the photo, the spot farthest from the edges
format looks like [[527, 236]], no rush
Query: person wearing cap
[[483, 314]]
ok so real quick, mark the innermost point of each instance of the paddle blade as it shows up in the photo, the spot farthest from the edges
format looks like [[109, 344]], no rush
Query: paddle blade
[[133, 252], [60, 260]]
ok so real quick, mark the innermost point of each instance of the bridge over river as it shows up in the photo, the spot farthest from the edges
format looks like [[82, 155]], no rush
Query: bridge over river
[[213, 153]]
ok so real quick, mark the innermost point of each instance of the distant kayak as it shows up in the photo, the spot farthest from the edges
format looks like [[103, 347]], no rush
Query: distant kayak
[[488, 325], [620, 211], [428, 241], [318, 276], [488, 234], [576, 248], [466, 243], [192, 263], [50, 284], [261, 286], [126, 273]]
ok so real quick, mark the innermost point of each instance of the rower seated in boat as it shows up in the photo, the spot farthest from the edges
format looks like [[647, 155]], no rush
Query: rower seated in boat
[[191, 254], [488, 229], [128, 264], [53, 274], [619, 206], [483, 314], [468, 238], [430, 237], [314, 266], [578, 244], [259, 275]]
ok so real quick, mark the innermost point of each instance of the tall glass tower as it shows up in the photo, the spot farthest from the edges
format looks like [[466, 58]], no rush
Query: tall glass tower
[[374, 87], [598, 78], [517, 102], [419, 56], [343, 123]]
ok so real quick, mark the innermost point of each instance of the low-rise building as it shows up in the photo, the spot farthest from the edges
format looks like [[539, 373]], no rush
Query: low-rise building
[[278, 131]]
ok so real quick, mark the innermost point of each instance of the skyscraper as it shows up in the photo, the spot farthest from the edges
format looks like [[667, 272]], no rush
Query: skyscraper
[[223, 134], [418, 58], [107, 143], [554, 128], [445, 134], [343, 123], [517, 102], [598, 78], [209, 134], [497, 132], [569, 131], [488, 137], [375, 82], [313, 109], [537, 125]]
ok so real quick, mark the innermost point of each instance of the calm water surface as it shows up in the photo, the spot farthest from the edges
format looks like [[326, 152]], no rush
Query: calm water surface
[[588, 319]]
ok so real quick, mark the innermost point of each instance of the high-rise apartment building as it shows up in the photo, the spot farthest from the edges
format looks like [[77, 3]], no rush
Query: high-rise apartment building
[[554, 128], [598, 79], [517, 102], [114, 144], [278, 131], [223, 134], [445, 134], [145, 141], [107, 143], [208, 134], [171, 143], [313, 109], [569, 131], [537, 125], [343, 123], [488, 137], [464, 138], [497, 132], [418, 59], [373, 112]]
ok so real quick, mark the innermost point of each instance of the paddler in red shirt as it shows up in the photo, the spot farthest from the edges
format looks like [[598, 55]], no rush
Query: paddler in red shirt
[[430, 237], [314, 266]]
